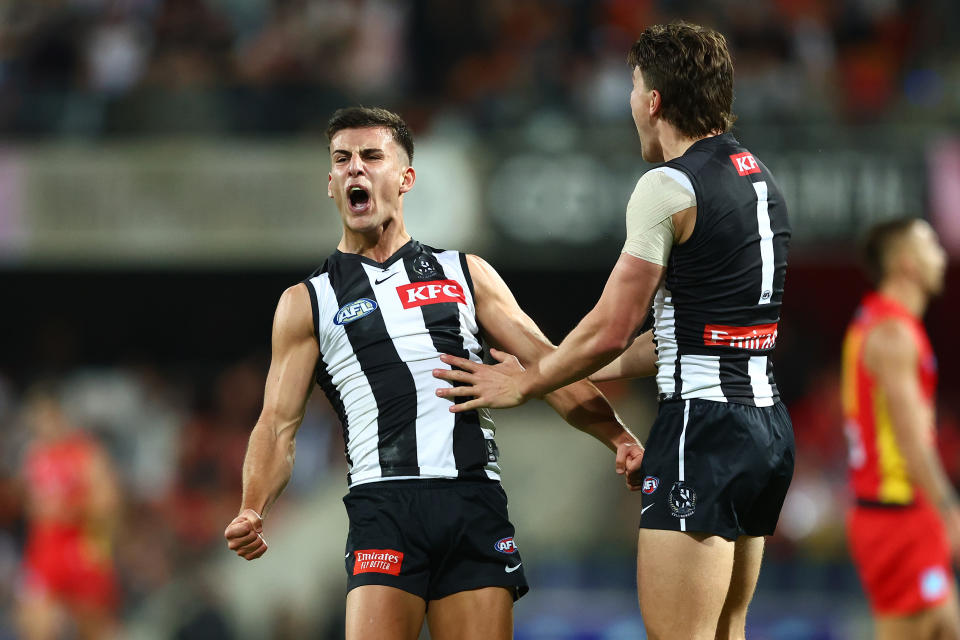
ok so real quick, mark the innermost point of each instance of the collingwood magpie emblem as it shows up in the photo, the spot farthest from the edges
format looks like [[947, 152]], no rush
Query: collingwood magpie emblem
[[683, 500], [424, 267]]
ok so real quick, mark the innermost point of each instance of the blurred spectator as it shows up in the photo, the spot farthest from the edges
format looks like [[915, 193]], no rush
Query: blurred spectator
[[204, 66]]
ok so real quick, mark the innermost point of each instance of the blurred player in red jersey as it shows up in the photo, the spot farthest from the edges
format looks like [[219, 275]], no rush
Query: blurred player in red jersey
[[72, 503], [905, 524]]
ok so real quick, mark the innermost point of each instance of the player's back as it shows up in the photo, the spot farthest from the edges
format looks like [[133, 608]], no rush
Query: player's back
[[877, 467], [717, 314]]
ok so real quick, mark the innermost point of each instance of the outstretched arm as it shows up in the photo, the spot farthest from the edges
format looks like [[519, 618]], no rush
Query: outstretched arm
[[638, 361], [600, 337], [270, 452], [508, 328]]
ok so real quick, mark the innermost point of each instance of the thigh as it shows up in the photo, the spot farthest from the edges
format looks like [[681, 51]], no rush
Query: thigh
[[682, 580], [941, 622], [747, 555], [480, 614], [378, 612]]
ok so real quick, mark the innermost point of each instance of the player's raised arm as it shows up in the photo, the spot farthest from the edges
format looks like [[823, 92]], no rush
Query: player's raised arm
[[508, 328], [891, 355], [270, 452]]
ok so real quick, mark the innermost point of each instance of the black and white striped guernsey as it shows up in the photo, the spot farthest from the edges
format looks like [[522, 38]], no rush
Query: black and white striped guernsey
[[381, 328], [717, 313]]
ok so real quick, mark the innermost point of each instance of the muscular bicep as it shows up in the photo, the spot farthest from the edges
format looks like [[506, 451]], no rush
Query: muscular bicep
[[505, 325], [293, 362]]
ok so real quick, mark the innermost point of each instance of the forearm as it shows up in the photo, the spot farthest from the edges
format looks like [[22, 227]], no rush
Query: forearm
[[638, 361], [266, 467], [591, 345], [925, 469], [583, 406]]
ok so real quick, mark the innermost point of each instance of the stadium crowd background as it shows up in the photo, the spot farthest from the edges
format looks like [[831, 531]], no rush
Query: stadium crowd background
[[162, 179]]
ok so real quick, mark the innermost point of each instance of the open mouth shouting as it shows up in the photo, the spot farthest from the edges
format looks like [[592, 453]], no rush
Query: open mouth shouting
[[358, 198]]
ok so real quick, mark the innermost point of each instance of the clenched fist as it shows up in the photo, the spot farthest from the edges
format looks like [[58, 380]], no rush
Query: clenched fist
[[244, 535]]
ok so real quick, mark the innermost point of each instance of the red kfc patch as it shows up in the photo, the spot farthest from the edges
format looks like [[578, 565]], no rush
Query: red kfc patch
[[377, 561], [745, 163], [417, 294]]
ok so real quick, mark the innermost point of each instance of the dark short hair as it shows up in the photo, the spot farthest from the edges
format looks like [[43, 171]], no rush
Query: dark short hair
[[360, 117], [880, 240], [691, 67]]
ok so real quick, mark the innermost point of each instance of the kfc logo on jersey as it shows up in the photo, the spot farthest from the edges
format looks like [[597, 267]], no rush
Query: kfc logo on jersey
[[745, 163], [757, 338], [377, 561], [418, 294], [506, 545], [650, 484]]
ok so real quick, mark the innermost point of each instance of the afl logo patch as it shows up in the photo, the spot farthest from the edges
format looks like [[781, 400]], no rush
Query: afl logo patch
[[683, 500], [650, 484], [354, 311], [506, 545]]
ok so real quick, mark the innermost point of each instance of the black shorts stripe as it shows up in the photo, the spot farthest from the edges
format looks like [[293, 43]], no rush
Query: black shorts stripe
[[391, 382], [442, 320]]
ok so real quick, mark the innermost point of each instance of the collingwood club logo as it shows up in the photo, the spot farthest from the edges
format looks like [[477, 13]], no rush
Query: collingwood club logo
[[683, 500]]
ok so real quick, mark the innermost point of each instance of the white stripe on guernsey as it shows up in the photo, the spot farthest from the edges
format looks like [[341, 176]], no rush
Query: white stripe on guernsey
[[348, 377], [677, 176], [766, 243], [683, 439], [700, 377], [413, 343], [762, 391], [664, 330]]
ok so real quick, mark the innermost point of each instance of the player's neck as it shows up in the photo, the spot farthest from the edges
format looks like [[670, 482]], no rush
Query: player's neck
[[907, 293], [674, 144], [377, 244]]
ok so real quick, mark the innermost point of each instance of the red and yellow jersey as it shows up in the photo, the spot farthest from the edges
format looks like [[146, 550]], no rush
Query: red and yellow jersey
[[878, 470]]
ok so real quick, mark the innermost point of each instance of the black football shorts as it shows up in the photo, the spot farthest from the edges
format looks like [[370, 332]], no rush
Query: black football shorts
[[718, 468], [432, 538]]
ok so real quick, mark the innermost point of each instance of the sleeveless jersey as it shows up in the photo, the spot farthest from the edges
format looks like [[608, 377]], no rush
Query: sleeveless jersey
[[381, 328], [878, 470], [716, 315]]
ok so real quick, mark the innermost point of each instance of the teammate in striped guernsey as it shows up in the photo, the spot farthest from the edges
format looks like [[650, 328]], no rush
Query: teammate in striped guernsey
[[707, 238], [428, 518], [905, 523]]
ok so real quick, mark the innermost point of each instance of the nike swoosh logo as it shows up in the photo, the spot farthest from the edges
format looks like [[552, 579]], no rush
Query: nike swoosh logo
[[513, 568], [645, 508], [385, 279], [346, 556]]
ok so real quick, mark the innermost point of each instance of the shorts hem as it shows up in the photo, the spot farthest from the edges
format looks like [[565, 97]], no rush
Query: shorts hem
[[410, 590], [518, 590], [723, 533]]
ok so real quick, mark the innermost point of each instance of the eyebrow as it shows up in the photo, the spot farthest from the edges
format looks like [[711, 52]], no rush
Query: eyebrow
[[363, 152]]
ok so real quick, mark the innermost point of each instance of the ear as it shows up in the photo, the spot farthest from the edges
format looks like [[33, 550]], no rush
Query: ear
[[409, 177], [329, 185], [655, 102]]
